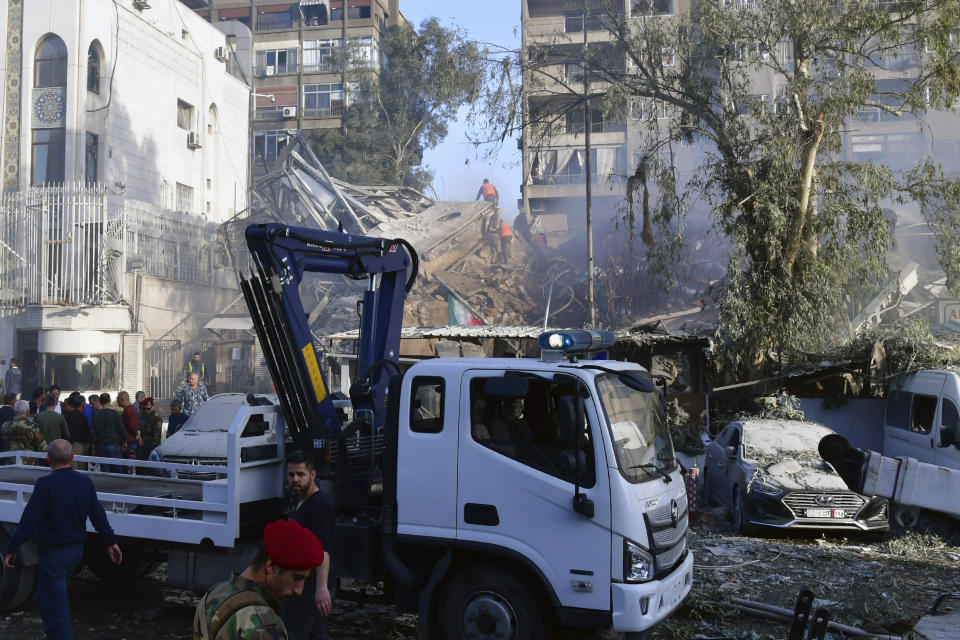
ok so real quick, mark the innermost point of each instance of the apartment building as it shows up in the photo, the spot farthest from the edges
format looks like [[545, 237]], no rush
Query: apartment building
[[124, 147], [553, 187], [298, 50]]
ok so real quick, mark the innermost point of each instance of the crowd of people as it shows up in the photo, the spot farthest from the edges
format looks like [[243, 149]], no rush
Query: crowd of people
[[92, 424]]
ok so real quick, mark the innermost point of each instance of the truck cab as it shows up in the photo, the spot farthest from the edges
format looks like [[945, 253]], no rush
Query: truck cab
[[556, 477], [922, 420]]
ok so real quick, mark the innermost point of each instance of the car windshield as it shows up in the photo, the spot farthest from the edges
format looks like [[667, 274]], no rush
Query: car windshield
[[638, 428]]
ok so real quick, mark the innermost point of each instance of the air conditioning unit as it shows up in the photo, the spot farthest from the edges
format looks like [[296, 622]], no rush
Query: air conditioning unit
[[289, 112], [141, 5], [268, 70], [193, 140], [220, 53]]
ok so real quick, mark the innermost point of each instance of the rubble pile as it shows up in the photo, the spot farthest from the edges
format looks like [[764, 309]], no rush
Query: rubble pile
[[457, 243]]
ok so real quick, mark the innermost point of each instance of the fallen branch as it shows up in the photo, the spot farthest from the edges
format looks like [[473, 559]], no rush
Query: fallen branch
[[773, 612]]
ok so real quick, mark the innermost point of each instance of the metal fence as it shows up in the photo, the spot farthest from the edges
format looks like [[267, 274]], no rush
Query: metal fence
[[59, 245], [67, 245], [164, 367]]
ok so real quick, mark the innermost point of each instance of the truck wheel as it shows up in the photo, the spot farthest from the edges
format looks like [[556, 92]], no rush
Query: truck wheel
[[134, 564], [17, 585], [488, 603]]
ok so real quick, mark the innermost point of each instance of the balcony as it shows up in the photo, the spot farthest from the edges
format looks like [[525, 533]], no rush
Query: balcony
[[333, 111], [264, 70], [325, 65], [269, 113]]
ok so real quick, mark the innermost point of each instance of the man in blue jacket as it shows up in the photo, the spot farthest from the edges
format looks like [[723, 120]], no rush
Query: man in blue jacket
[[56, 516]]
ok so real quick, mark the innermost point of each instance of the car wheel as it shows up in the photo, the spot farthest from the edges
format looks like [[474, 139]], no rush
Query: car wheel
[[741, 524], [490, 603]]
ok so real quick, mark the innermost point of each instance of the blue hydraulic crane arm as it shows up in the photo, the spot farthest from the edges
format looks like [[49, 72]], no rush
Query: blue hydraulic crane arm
[[282, 255]]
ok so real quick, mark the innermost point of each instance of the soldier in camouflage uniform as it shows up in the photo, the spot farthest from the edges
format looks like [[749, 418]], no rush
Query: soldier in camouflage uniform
[[246, 606], [151, 425], [22, 435]]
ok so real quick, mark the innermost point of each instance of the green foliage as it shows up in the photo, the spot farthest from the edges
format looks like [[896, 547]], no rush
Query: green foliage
[[402, 109]]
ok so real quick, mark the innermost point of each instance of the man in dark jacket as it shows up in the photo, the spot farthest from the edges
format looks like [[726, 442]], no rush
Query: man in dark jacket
[[13, 378], [6, 412], [107, 434], [52, 423], [79, 428], [56, 516]]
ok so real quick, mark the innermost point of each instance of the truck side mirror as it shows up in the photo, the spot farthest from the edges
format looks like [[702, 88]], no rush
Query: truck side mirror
[[583, 505], [731, 451], [947, 437]]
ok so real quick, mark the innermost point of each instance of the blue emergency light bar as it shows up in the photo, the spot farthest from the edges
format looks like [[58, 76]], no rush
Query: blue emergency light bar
[[579, 340]]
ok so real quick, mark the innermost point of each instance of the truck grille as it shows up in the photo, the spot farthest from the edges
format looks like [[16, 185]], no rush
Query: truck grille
[[668, 542], [800, 501]]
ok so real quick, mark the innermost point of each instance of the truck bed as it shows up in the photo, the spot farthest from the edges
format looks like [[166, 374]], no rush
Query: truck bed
[[155, 504]]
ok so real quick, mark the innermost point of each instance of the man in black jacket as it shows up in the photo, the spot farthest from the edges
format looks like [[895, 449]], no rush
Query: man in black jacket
[[56, 516], [305, 614]]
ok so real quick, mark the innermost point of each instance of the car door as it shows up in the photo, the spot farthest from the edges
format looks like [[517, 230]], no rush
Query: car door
[[511, 489], [910, 417]]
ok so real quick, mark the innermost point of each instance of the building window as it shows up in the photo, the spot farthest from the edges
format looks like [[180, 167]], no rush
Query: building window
[[50, 65], [184, 198], [276, 17], [314, 15], [184, 115], [276, 61], [90, 165], [651, 7], [93, 69], [47, 157], [267, 146], [94, 372], [573, 22], [359, 13], [318, 55], [322, 100], [364, 52], [651, 109]]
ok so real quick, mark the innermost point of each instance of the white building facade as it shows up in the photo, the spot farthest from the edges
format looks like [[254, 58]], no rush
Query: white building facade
[[125, 145]]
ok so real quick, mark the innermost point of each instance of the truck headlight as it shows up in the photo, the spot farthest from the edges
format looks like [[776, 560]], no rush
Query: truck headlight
[[637, 563]]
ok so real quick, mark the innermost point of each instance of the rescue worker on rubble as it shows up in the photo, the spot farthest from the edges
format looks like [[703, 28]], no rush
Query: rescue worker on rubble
[[20, 434], [246, 606], [489, 193], [506, 237]]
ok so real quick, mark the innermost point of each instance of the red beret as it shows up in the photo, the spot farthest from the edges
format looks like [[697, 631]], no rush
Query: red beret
[[291, 546]]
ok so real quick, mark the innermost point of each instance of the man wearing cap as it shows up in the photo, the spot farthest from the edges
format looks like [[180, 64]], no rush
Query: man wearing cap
[[246, 607]]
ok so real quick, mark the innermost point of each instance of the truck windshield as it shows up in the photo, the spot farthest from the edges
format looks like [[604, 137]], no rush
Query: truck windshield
[[638, 428]]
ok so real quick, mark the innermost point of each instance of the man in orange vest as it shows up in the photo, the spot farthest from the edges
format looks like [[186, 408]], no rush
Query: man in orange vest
[[489, 193], [506, 235]]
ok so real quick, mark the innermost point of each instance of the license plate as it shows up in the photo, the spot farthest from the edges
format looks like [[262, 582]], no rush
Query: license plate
[[826, 513]]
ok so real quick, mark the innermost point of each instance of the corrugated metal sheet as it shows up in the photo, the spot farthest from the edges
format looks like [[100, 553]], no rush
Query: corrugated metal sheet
[[455, 332]]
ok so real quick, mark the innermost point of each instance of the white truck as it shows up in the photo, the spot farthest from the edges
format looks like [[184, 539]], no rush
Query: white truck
[[496, 498]]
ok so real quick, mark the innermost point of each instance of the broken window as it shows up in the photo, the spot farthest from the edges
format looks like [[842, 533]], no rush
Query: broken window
[[426, 407], [267, 145], [924, 408], [184, 115], [898, 409]]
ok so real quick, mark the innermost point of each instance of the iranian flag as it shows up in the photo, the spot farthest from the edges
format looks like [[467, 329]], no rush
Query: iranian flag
[[459, 314]]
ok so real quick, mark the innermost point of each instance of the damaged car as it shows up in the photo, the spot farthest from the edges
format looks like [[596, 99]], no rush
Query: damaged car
[[768, 474]]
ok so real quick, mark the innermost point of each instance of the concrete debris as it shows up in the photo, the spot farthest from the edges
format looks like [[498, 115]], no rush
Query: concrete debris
[[457, 242]]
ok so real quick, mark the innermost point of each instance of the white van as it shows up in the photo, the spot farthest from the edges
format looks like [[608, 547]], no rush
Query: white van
[[922, 418]]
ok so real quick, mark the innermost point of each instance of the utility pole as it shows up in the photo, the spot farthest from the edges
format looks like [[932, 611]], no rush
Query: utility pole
[[587, 126]]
